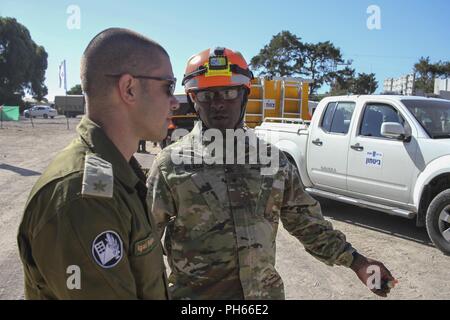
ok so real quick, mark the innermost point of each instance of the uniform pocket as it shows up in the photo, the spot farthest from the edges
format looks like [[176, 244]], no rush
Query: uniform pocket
[[200, 196], [272, 197]]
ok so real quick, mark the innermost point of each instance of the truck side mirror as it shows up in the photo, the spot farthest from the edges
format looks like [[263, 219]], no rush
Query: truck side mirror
[[393, 130]]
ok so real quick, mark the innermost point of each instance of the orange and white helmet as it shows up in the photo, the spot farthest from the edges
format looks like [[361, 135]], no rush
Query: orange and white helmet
[[219, 67]]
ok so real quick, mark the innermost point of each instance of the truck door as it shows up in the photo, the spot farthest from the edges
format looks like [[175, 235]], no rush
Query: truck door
[[378, 166], [328, 147]]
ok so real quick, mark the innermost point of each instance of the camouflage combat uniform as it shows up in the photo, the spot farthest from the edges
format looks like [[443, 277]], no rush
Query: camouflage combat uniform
[[88, 212], [222, 222]]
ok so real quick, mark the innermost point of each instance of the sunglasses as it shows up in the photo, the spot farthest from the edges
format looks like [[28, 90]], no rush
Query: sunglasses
[[172, 82], [206, 96]]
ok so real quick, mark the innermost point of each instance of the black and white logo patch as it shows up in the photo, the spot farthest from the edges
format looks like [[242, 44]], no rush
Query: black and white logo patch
[[107, 249]]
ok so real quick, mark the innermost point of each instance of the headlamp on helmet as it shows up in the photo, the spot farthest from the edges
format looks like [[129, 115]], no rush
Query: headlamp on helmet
[[220, 67]]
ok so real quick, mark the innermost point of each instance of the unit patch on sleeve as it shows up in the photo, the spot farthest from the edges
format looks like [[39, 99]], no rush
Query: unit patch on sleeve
[[107, 249]]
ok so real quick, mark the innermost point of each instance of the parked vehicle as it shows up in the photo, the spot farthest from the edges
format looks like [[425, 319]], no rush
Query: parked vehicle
[[71, 105], [388, 153], [40, 111], [183, 118]]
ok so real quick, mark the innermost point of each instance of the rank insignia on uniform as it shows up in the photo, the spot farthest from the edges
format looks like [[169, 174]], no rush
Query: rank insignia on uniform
[[98, 179], [107, 249]]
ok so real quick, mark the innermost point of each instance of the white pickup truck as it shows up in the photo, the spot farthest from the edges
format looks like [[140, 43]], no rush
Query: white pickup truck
[[387, 153]]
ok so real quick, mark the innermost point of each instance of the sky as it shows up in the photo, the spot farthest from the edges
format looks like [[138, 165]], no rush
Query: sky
[[408, 29]]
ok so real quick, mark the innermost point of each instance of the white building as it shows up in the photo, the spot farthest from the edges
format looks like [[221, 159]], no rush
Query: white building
[[403, 85], [442, 88]]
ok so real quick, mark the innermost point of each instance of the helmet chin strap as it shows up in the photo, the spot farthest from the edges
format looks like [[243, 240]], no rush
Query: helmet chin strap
[[194, 106], [240, 122], [243, 109]]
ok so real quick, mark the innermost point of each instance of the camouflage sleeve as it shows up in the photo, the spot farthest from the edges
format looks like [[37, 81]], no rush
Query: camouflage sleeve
[[302, 217], [159, 198]]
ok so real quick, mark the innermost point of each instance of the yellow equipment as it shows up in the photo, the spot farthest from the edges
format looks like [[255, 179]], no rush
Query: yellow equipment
[[278, 97]]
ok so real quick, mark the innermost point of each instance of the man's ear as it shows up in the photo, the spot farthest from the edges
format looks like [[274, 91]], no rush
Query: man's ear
[[191, 101], [127, 88]]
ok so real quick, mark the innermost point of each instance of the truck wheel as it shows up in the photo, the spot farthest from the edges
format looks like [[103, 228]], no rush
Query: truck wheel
[[438, 221], [45, 116], [291, 160]]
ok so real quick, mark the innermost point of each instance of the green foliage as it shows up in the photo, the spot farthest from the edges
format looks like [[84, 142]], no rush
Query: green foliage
[[348, 83], [365, 84], [22, 63], [76, 90], [321, 62], [343, 82], [287, 55], [427, 72], [280, 57]]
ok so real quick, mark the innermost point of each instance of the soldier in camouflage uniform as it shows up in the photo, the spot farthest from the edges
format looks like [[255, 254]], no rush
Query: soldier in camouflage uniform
[[86, 232], [221, 220]]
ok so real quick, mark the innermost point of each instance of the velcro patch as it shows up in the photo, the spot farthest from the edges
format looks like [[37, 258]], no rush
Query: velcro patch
[[107, 249], [98, 178]]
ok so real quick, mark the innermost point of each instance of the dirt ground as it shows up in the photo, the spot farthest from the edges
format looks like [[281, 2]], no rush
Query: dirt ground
[[422, 270]]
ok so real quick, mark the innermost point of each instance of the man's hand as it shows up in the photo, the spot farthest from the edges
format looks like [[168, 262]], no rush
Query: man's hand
[[374, 275]]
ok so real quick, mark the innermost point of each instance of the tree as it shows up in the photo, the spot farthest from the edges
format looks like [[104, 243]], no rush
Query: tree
[[280, 57], [22, 63], [287, 55], [320, 64], [38, 88], [445, 69], [365, 84], [427, 72], [425, 75], [347, 83], [343, 82], [75, 90]]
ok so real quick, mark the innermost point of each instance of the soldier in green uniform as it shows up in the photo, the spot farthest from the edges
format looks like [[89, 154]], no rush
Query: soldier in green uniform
[[221, 218], [86, 232]]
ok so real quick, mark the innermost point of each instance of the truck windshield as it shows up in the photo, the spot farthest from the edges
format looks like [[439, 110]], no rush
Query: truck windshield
[[434, 116]]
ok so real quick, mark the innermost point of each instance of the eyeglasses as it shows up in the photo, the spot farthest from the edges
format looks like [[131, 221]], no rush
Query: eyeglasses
[[170, 87], [206, 96]]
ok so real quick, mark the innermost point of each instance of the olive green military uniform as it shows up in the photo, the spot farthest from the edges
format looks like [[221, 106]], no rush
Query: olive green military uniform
[[222, 222], [88, 211]]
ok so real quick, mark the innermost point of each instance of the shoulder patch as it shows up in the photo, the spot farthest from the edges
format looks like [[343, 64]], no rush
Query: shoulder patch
[[98, 178], [107, 249]]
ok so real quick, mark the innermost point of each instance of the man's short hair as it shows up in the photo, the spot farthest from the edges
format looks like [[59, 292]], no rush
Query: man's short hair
[[116, 51]]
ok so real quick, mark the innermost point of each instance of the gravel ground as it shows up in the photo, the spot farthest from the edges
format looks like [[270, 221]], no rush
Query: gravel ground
[[423, 271]]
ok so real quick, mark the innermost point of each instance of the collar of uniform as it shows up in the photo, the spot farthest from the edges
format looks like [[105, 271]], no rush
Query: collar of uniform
[[101, 145]]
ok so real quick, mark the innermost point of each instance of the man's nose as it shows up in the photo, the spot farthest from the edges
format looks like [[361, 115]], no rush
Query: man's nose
[[217, 102]]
